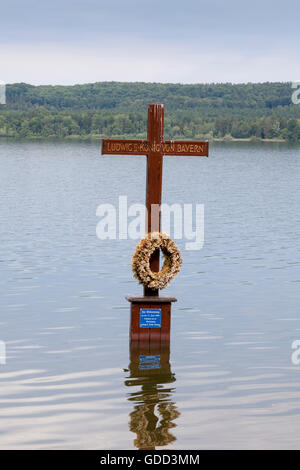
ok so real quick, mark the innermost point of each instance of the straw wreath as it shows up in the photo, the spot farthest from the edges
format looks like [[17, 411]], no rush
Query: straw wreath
[[141, 260]]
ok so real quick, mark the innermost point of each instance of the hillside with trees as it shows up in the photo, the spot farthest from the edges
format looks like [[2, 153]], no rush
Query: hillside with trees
[[114, 109]]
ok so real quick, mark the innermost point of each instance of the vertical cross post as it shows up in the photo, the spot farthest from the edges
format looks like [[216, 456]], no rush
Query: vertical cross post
[[154, 180]]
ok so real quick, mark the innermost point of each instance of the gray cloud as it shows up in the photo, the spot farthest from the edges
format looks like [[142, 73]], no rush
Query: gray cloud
[[242, 32]]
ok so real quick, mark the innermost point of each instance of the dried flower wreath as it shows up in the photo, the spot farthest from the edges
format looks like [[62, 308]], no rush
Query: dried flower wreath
[[141, 260]]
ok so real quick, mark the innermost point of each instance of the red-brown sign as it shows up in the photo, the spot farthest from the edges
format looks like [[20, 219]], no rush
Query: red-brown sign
[[144, 147]]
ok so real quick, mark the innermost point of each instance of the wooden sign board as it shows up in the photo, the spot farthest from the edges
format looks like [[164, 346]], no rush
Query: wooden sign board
[[144, 147]]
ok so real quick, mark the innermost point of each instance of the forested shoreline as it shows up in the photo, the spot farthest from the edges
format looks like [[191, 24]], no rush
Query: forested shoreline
[[261, 111]]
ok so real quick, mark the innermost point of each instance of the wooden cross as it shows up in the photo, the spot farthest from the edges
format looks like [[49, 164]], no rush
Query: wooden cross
[[155, 147]]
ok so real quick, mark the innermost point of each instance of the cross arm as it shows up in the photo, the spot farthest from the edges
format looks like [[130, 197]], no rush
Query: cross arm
[[145, 147]]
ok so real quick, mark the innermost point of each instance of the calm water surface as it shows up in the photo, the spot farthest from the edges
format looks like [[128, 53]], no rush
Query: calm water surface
[[70, 380]]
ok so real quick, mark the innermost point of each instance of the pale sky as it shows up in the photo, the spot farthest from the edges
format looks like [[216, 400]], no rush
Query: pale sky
[[190, 41]]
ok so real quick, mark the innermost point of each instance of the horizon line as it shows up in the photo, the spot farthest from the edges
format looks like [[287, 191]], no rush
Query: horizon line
[[152, 83]]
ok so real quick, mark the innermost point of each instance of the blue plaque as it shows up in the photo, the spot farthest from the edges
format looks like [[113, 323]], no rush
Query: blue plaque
[[150, 318], [149, 362]]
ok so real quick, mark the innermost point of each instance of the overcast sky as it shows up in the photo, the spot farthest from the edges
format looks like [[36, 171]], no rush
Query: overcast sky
[[186, 41]]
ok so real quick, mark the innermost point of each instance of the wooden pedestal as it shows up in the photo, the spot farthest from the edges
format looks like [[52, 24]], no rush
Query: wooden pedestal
[[144, 335]]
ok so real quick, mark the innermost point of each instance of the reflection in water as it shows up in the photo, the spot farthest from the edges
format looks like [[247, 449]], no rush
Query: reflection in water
[[154, 411]]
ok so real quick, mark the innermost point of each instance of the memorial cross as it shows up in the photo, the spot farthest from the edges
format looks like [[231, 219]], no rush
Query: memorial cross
[[155, 147]]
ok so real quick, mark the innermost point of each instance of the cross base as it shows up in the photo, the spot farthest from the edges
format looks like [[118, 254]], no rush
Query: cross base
[[150, 319]]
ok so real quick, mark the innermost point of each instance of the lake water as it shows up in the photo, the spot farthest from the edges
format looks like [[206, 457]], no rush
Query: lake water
[[70, 380]]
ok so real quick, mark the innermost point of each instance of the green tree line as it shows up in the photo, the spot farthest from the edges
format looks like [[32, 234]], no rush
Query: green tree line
[[115, 109]]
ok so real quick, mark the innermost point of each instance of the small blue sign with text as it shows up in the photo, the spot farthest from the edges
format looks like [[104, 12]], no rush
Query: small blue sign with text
[[150, 317]]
